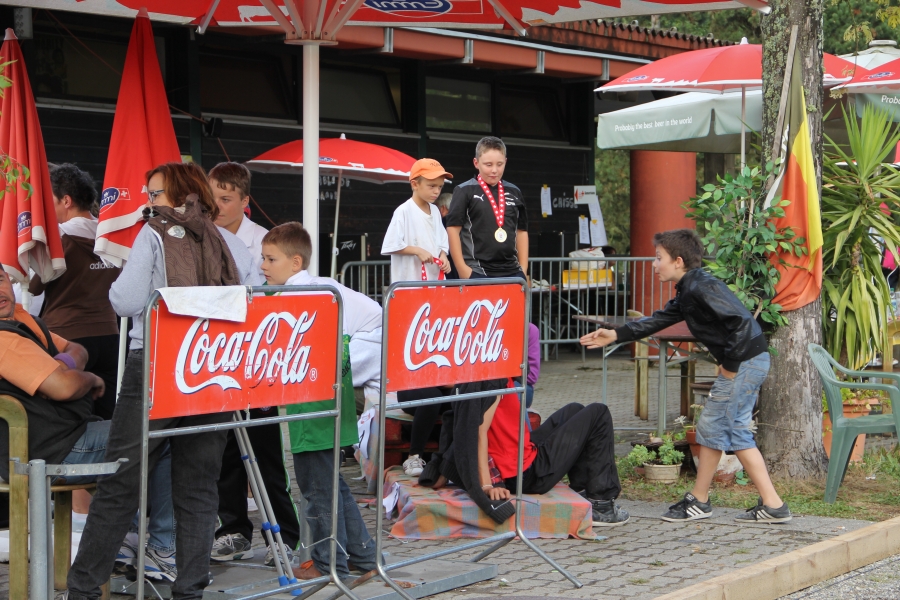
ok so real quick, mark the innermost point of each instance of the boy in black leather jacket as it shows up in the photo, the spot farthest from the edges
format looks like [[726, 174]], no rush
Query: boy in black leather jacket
[[720, 322]]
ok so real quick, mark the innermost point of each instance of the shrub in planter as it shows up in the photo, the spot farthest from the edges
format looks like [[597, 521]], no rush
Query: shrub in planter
[[663, 465]]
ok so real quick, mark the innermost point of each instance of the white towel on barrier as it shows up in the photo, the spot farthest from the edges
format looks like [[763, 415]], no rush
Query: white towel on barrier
[[226, 303]]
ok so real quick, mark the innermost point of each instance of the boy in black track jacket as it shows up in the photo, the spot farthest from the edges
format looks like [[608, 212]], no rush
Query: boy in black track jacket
[[720, 322], [487, 225]]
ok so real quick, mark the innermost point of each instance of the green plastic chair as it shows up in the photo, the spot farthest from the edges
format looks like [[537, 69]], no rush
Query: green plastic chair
[[843, 430]]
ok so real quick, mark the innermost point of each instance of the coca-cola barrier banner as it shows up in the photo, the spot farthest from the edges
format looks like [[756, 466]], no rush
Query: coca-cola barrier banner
[[284, 353], [445, 335]]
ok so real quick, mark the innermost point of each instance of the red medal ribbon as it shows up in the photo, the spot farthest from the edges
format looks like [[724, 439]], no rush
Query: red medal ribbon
[[440, 273], [499, 210]]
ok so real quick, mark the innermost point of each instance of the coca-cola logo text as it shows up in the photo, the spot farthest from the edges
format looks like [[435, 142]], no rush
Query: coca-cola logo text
[[266, 356], [474, 337]]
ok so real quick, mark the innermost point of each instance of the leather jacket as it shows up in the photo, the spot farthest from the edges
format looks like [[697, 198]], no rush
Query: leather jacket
[[714, 315]]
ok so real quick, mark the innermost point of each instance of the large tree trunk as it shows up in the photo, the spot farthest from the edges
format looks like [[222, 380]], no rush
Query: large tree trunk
[[790, 416]]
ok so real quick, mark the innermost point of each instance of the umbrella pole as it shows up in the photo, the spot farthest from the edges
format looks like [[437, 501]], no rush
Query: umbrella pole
[[337, 210], [743, 127], [311, 150]]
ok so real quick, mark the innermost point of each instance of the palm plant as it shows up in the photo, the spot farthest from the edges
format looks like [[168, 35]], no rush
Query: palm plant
[[858, 200]]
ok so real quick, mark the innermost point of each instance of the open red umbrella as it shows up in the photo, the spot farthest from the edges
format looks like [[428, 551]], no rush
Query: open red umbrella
[[882, 79], [718, 70], [343, 158], [29, 236], [142, 138]]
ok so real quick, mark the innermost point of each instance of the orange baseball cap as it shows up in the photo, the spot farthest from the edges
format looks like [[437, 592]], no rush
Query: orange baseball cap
[[429, 169]]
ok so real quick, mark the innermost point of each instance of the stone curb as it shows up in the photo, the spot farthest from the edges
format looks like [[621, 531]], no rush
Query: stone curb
[[788, 573]]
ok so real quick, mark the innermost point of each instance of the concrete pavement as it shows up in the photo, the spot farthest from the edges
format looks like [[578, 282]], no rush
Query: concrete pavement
[[640, 560]]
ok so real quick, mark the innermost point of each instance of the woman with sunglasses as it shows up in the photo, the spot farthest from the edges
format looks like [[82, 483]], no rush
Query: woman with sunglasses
[[180, 219]]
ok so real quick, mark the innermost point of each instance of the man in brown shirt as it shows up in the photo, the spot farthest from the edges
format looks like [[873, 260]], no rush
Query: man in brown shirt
[[76, 304]]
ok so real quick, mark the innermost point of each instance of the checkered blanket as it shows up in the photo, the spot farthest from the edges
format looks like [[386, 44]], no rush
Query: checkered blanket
[[427, 514]]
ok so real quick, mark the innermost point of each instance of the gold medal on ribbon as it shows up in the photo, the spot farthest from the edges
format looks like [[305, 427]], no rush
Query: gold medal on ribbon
[[500, 235]]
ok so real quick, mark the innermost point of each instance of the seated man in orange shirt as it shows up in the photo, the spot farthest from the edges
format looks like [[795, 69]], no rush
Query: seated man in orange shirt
[[45, 372]]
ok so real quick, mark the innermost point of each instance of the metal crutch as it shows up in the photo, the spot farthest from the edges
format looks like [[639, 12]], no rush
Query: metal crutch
[[269, 523]]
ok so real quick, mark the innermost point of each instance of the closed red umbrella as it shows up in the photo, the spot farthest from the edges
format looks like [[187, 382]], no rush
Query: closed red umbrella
[[142, 138], [29, 236], [343, 158]]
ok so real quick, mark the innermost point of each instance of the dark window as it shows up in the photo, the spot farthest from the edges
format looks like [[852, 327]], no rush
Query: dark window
[[532, 113], [65, 68], [356, 96], [250, 86], [457, 105]]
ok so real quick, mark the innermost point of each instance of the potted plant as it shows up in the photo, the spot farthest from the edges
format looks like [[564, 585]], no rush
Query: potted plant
[[859, 208], [858, 404], [664, 465]]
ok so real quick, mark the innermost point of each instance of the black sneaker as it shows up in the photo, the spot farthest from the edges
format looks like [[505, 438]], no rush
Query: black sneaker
[[688, 509], [765, 514], [606, 513]]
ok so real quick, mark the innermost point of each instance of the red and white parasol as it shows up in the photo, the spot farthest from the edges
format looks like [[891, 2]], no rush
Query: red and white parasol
[[29, 234], [343, 158], [142, 138]]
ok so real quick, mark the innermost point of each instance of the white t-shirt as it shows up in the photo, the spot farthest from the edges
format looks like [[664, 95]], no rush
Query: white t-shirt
[[252, 235], [410, 226]]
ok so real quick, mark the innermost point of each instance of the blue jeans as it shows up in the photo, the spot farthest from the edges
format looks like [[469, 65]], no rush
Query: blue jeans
[[724, 423], [313, 471], [90, 449]]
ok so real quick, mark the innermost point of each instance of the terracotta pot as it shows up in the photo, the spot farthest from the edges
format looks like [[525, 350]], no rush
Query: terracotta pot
[[662, 473], [691, 437], [851, 411]]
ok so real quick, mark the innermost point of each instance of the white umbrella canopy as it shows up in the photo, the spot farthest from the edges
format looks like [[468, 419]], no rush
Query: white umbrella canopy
[[693, 122]]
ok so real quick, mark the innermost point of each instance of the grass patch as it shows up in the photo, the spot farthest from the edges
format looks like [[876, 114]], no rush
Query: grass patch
[[657, 563], [591, 559], [859, 497], [639, 581], [741, 551]]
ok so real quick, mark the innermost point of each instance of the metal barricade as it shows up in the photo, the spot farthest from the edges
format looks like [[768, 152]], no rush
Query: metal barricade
[[560, 289], [231, 361], [40, 564], [369, 277], [563, 288], [428, 337]]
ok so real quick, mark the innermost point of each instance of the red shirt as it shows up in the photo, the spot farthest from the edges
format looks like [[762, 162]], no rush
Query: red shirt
[[503, 437]]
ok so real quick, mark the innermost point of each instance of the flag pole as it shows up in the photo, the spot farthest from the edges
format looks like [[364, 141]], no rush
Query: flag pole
[[785, 89]]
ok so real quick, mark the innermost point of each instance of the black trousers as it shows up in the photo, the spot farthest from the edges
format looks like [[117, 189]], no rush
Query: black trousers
[[424, 417], [268, 446], [103, 361], [576, 440]]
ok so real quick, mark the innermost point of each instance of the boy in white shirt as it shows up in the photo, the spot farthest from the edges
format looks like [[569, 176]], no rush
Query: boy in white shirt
[[414, 238], [287, 251], [416, 235]]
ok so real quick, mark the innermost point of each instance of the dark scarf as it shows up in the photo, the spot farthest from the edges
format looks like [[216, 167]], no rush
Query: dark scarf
[[457, 455], [194, 250]]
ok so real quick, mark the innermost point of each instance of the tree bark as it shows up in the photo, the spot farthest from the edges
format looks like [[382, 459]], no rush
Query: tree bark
[[790, 411]]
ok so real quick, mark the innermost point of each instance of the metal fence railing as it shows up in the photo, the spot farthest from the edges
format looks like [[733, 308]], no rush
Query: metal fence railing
[[561, 289]]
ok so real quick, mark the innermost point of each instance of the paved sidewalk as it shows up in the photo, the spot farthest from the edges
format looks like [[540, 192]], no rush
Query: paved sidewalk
[[640, 560]]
